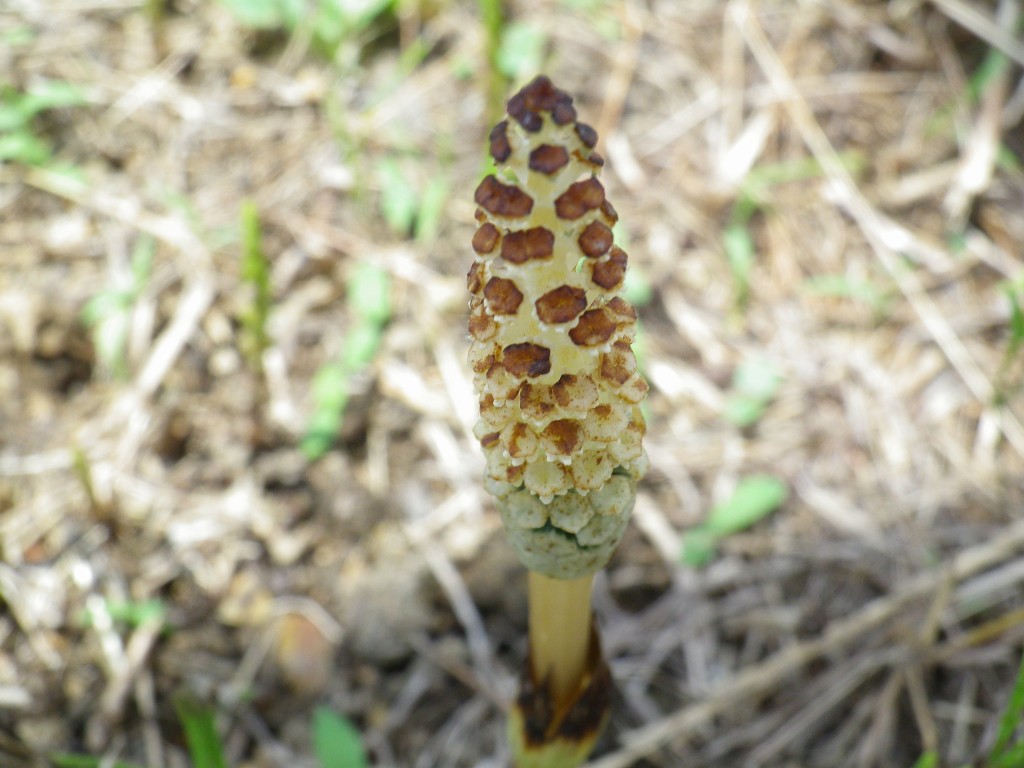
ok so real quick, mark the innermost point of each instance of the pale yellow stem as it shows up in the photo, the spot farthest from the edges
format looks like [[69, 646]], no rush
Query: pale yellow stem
[[559, 632]]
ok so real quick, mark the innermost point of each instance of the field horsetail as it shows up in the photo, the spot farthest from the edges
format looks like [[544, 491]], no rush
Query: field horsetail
[[560, 421]]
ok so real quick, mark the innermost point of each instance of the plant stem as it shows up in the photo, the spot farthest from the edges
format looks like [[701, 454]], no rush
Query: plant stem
[[559, 632]]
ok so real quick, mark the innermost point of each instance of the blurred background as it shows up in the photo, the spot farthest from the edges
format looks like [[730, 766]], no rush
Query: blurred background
[[241, 517]]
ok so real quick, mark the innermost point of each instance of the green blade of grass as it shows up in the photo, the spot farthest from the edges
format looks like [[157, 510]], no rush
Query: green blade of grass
[[1010, 720], [336, 742], [70, 760], [521, 51], [369, 293], [754, 386], [755, 497], [256, 273], [198, 722], [741, 253], [927, 760]]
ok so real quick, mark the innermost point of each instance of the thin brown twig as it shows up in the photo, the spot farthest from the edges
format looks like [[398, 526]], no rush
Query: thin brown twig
[[981, 25], [885, 236], [756, 681]]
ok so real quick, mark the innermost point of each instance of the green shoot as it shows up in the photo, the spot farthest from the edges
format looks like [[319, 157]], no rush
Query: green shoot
[[336, 742], [330, 22], [69, 760], [494, 23], [1014, 294], [134, 613], [17, 36], [369, 301], [369, 294], [432, 203], [264, 14], [198, 722], [109, 312], [1007, 380], [18, 140], [521, 52], [408, 209], [841, 286], [741, 253], [256, 274], [330, 396], [398, 199], [755, 498], [1004, 754], [755, 384]]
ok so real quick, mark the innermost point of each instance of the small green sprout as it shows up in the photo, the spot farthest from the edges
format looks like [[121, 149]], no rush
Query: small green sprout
[[755, 384], [70, 760], [19, 141], [1008, 752], [199, 723], [369, 301], [927, 760], [755, 498], [331, 22], [256, 274], [336, 742], [398, 199], [862, 291], [408, 209], [134, 613], [521, 50], [1015, 294]]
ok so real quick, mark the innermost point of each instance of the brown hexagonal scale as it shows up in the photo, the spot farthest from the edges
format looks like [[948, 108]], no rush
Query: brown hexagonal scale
[[609, 273], [540, 95], [561, 305], [594, 328], [525, 244], [482, 326], [526, 359], [579, 198], [609, 213], [475, 277], [548, 158], [595, 239], [535, 401], [520, 441], [485, 238], [576, 392], [564, 435], [527, 118], [618, 364], [621, 310], [587, 134], [502, 296], [500, 148], [483, 363], [503, 199]]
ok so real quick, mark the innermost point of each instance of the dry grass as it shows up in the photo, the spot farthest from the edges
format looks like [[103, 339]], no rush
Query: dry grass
[[877, 615]]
